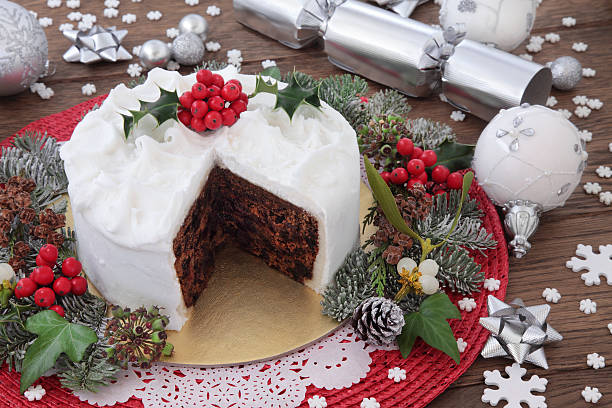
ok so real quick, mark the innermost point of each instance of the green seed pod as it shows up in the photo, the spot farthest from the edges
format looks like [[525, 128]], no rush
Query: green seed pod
[[168, 349], [117, 312], [158, 325]]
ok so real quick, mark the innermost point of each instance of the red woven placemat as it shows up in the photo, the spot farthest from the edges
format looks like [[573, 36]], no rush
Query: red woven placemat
[[429, 372]]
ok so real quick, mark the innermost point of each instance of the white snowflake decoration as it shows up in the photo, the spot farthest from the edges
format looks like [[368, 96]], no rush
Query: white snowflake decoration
[[85, 25], [172, 32], [597, 264], [580, 47], [154, 15], [588, 72], [136, 1], [74, 16], [551, 101], [534, 47], [45, 21], [36, 87], [604, 172], [514, 389], [552, 38], [568, 21], [213, 46], [134, 70], [467, 304], [491, 284], [461, 344], [111, 12], [582, 111], [173, 66], [397, 374], [234, 57], [610, 147], [35, 393], [587, 306], [213, 10], [73, 4], [586, 135], [42, 90], [566, 114], [591, 394], [268, 63], [605, 198], [33, 13], [89, 18], [192, 2], [457, 116], [594, 104], [536, 39], [369, 403], [66, 26], [551, 295], [610, 327], [317, 402], [111, 3], [592, 188], [580, 100], [128, 18], [88, 89], [527, 57], [54, 3], [596, 361]]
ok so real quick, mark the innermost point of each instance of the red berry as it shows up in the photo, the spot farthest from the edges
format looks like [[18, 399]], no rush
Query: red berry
[[184, 117], [218, 80], [214, 90], [429, 157], [414, 181], [364, 99], [423, 177], [199, 91], [44, 297], [216, 103], [79, 285], [416, 153], [230, 92], [58, 309], [235, 82], [399, 175], [405, 146], [48, 253], [25, 287], [62, 286], [186, 99], [204, 76], [198, 125], [244, 97], [440, 192], [415, 167], [42, 275], [199, 109], [238, 106], [454, 181], [40, 261], [71, 267], [440, 173], [229, 117], [427, 195], [213, 120], [386, 176]]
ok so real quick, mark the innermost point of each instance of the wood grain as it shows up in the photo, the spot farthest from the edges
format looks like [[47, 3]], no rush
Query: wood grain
[[582, 220]]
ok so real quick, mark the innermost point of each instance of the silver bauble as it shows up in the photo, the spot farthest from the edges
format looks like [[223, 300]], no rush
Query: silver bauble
[[23, 49], [194, 23], [566, 72], [154, 53], [188, 49]]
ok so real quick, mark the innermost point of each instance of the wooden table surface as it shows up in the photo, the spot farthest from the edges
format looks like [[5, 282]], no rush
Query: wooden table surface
[[583, 220]]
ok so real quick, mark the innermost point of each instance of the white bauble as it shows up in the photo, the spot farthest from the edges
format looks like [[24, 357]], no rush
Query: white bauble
[[429, 267], [503, 23], [429, 284], [407, 264], [6, 272], [529, 153]]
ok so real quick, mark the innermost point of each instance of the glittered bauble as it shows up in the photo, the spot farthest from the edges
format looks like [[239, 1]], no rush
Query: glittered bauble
[[503, 23], [23, 49], [566, 73], [194, 23], [188, 49], [96, 45], [154, 53]]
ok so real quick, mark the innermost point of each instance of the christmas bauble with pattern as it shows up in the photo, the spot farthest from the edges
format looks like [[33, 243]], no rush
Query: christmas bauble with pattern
[[23, 49], [529, 153], [503, 23]]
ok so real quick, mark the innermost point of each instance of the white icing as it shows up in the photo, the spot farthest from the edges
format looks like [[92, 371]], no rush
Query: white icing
[[129, 198]]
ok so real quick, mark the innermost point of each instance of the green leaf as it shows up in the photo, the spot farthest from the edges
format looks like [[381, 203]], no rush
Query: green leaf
[[163, 109], [272, 72], [55, 336], [294, 94], [430, 324], [455, 156], [468, 178], [261, 85]]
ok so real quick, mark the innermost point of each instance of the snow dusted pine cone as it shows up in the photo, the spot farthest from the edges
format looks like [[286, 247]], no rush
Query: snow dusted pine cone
[[378, 321]]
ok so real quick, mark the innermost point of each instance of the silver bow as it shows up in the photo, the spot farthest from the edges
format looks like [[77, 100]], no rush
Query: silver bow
[[402, 7], [518, 332], [99, 44]]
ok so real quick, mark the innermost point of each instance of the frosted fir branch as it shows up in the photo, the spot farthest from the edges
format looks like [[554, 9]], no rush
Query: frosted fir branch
[[458, 270], [212, 65], [430, 134]]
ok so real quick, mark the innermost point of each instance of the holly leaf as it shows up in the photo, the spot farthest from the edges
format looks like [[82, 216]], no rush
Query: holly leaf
[[55, 336], [272, 72], [261, 85], [163, 109], [455, 156], [430, 324], [294, 94]]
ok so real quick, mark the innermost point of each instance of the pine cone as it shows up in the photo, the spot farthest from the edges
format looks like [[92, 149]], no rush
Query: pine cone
[[392, 254], [378, 321], [27, 215], [55, 238], [21, 249]]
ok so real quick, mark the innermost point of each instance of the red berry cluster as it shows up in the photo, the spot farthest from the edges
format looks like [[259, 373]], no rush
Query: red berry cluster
[[43, 283], [417, 160], [212, 102]]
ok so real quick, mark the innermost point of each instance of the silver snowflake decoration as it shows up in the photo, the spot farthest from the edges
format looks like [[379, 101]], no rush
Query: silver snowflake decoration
[[515, 133], [467, 6]]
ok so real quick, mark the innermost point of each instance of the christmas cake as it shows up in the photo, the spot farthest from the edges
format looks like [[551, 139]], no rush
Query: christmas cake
[[151, 211]]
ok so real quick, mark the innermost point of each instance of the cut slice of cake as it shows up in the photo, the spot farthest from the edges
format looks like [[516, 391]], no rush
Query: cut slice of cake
[[151, 211]]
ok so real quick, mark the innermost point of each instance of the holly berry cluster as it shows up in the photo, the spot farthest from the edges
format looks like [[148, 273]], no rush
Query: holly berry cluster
[[416, 161], [212, 102], [45, 283]]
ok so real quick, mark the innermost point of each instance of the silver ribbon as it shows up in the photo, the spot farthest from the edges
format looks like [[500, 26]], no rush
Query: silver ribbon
[[98, 44], [518, 332], [402, 7]]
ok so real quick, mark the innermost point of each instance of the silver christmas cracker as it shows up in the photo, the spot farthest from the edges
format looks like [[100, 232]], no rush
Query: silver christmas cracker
[[414, 58]]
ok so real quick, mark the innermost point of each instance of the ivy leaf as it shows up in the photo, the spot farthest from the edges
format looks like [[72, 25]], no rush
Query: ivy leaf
[[430, 324], [272, 72], [55, 336], [163, 109], [455, 156]]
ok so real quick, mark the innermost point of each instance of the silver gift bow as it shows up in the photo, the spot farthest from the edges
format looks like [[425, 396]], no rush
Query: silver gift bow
[[402, 7], [518, 332], [99, 44]]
